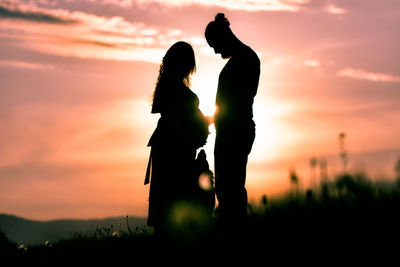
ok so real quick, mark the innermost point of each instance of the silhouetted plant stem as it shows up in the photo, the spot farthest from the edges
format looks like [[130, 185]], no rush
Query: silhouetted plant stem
[[342, 151], [127, 224]]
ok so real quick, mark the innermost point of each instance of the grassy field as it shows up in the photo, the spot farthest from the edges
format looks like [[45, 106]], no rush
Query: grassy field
[[347, 213]]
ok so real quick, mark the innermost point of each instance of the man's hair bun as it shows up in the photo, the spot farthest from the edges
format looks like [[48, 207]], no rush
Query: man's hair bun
[[220, 19]]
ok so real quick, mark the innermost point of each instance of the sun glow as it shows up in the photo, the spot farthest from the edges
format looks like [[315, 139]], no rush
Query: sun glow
[[206, 91], [272, 134]]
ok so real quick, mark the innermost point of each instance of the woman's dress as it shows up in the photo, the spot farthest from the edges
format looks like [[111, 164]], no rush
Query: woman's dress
[[181, 129]]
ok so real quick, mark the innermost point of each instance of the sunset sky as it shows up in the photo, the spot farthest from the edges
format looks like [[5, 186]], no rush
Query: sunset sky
[[76, 78]]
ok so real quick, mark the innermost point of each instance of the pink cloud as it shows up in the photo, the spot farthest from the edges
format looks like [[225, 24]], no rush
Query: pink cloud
[[121, 3], [332, 9], [361, 74], [246, 5], [26, 65], [311, 63], [83, 35]]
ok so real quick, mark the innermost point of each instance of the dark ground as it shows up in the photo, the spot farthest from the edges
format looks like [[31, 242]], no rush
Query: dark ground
[[349, 217]]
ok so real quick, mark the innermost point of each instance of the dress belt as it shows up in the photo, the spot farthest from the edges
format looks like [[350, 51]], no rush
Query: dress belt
[[148, 171]]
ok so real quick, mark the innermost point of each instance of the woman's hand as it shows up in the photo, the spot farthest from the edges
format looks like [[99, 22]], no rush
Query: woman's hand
[[210, 119]]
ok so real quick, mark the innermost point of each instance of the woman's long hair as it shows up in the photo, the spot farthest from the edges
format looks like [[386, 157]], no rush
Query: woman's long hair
[[176, 68]]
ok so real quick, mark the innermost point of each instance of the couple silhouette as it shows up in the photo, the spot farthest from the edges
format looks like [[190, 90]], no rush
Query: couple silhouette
[[174, 170]]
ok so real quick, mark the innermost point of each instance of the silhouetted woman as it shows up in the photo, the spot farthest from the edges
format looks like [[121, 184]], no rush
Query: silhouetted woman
[[181, 129]]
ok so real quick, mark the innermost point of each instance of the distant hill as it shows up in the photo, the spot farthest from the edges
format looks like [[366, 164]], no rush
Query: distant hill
[[29, 232]]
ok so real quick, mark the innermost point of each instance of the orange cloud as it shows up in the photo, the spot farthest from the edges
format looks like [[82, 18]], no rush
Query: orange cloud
[[361, 74]]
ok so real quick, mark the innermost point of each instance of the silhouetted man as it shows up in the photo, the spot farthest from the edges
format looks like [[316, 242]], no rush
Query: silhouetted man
[[235, 128]]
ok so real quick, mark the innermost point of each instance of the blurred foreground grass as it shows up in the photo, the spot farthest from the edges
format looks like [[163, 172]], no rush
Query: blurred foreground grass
[[350, 212]]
